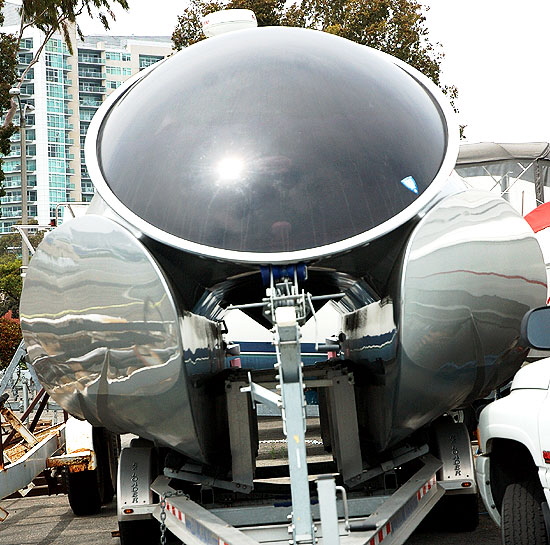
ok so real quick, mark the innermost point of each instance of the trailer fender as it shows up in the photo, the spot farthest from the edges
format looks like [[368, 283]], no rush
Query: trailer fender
[[134, 496], [457, 474]]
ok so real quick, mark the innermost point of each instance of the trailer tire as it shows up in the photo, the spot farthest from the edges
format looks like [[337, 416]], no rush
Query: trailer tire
[[83, 490], [453, 513], [103, 446], [522, 515], [139, 532]]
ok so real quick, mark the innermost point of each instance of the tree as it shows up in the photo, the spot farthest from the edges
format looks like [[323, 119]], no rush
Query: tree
[[10, 243], [10, 337], [10, 285], [51, 17], [397, 27]]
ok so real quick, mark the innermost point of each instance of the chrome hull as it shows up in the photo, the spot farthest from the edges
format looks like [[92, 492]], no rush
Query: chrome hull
[[348, 169], [445, 333], [110, 344]]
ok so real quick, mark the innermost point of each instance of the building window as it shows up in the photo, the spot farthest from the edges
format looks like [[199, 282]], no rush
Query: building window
[[55, 135], [55, 105], [126, 57], [53, 75], [86, 115], [30, 73], [148, 60], [55, 60], [57, 165], [90, 73], [55, 120], [56, 150], [26, 43], [126, 71], [116, 70], [25, 58], [113, 84], [89, 58], [112, 55], [53, 90]]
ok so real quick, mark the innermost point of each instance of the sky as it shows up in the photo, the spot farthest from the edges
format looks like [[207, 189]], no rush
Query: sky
[[495, 53]]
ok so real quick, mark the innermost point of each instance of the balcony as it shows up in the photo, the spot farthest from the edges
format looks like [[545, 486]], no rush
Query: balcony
[[96, 89], [90, 74], [90, 59], [90, 103]]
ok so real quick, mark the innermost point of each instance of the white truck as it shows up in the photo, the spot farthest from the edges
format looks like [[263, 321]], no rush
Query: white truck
[[513, 470]]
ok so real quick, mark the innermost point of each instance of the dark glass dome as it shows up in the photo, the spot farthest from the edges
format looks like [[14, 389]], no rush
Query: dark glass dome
[[271, 140]]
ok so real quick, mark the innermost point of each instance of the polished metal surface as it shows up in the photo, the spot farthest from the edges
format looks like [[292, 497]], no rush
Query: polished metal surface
[[272, 145], [110, 345], [446, 332]]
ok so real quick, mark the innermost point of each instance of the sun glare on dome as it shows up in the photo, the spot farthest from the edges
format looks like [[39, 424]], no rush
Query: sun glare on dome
[[230, 169]]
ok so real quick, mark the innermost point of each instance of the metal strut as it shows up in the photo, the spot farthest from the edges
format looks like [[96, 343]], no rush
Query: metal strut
[[287, 343], [287, 308]]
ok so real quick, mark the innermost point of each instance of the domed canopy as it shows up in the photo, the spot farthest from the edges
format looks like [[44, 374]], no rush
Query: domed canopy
[[270, 141]]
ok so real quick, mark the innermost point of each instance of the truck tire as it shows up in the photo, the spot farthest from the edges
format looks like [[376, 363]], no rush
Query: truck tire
[[83, 490], [522, 515]]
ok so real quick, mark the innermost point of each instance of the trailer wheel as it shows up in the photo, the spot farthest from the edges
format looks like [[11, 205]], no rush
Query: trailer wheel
[[83, 490], [522, 515], [139, 532], [453, 513], [103, 446]]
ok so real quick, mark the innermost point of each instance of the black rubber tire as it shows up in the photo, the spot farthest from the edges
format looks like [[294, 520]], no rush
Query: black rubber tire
[[522, 515], [139, 532], [453, 513], [84, 493], [102, 439]]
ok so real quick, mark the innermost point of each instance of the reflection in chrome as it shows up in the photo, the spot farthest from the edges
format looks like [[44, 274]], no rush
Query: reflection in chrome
[[446, 332], [113, 347]]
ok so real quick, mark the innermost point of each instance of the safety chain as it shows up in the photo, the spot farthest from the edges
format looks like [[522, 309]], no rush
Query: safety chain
[[163, 498]]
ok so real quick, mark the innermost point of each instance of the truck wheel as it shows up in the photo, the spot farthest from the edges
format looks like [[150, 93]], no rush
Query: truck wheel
[[139, 532], [522, 515], [83, 490]]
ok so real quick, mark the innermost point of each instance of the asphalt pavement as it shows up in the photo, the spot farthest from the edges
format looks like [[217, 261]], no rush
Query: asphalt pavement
[[48, 520]]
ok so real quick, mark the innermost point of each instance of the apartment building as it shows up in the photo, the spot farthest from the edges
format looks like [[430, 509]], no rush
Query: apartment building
[[65, 90]]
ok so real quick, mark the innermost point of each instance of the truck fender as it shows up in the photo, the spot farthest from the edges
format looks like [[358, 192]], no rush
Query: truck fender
[[515, 418]]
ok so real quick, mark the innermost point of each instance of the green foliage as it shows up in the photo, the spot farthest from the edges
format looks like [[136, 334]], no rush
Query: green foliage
[[52, 16], [397, 27], [10, 284], [10, 244], [10, 337]]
